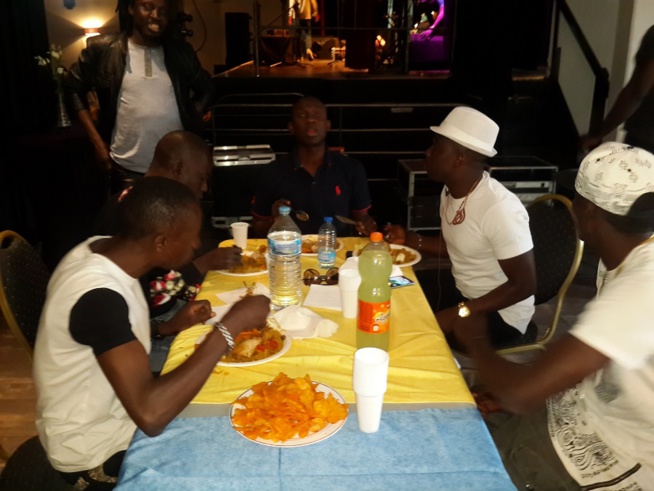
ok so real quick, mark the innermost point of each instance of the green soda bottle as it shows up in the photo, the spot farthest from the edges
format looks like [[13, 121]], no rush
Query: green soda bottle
[[374, 322]]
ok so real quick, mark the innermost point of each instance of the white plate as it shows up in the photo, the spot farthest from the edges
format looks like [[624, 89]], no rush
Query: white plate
[[339, 244], [286, 345], [417, 259], [253, 273], [316, 437]]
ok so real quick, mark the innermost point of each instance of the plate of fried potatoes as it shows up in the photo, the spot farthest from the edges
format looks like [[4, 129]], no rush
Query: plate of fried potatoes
[[252, 263], [288, 412], [402, 255]]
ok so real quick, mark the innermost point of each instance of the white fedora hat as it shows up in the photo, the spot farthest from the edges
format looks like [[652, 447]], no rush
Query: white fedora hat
[[471, 129]]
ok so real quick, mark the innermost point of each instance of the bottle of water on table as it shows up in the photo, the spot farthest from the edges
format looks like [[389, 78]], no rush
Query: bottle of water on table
[[284, 267], [327, 244]]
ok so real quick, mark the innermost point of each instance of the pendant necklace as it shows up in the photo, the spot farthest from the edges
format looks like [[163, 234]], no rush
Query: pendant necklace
[[460, 214]]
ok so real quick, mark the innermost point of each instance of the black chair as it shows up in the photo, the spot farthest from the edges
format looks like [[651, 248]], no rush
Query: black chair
[[558, 252], [28, 469], [23, 282]]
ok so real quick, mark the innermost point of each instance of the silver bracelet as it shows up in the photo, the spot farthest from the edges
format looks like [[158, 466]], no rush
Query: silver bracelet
[[219, 326]]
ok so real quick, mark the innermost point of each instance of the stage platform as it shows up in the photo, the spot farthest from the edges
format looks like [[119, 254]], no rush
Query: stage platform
[[333, 82]]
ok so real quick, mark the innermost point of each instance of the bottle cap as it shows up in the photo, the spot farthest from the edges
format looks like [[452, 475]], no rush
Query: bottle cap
[[328, 219], [284, 210], [376, 237]]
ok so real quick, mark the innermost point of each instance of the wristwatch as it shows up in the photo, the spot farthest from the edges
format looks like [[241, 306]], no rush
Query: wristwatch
[[219, 326], [464, 311]]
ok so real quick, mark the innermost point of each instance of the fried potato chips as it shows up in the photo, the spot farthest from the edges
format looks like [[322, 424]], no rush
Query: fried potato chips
[[286, 408]]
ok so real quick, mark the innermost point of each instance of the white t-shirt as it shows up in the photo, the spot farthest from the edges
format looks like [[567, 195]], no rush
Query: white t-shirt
[[80, 420], [496, 227], [604, 426], [147, 108]]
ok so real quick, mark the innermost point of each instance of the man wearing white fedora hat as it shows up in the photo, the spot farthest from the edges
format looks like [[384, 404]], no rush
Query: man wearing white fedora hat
[[485, 233], [582, 413]]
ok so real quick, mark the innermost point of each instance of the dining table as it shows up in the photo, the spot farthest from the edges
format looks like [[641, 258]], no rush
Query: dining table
[[431, 435]]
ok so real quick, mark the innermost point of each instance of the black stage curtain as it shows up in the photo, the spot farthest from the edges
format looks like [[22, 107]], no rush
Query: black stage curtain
[[28, 103], [362, 19]]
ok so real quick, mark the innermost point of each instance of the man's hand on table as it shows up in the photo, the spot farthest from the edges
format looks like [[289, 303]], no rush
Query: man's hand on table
[[486, 402], [218, 258], [395, 234], [194, 312], [277, 204], [463, 332], [249, 313], [366, 225], [446, 318]]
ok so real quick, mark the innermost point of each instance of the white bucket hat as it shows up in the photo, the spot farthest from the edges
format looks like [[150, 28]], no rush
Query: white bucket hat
[[471, 129], [614, 175]]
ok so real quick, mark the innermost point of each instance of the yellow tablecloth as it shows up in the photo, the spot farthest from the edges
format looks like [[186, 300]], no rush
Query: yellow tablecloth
[[421, 369]]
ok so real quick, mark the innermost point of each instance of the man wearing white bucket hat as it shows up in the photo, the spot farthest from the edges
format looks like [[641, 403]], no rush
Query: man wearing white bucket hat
[[485, 233], [593, 391]]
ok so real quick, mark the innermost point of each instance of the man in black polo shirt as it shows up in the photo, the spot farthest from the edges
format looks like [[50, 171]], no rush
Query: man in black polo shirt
[[313, 179]]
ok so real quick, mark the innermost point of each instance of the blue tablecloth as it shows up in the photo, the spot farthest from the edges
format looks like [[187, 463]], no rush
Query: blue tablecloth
[[430, 449]]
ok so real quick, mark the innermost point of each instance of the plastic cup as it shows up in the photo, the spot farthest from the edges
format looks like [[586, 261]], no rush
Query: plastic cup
[[348, 284], [240, 234], [369, 381], [369, 411]]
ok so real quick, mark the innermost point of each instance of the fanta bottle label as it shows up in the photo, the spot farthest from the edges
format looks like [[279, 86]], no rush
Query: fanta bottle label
[[374, 317]]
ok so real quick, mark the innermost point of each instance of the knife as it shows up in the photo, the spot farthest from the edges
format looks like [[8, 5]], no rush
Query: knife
[[343, 219]]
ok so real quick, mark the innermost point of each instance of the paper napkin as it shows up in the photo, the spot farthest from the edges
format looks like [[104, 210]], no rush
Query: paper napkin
[[234, 296], [299, 322], [323, 297]]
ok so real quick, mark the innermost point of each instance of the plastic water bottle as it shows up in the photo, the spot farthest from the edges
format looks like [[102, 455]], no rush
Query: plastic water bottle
[[327, 244], [374, 321], [284, 267]]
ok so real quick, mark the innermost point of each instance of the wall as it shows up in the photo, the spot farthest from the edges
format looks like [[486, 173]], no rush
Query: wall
[[66, 27], [614, 30], [598, 20]]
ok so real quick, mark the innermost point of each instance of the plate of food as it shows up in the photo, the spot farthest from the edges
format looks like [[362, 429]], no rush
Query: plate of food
[[254, 347], [310, 245], [252, 263], [402, 255], [288, 412]]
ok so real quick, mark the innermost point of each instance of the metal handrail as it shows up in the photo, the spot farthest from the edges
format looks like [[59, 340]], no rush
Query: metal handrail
[[601, 88]]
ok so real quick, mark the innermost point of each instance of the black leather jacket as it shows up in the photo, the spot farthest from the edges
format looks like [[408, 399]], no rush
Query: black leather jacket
[[101, 66]]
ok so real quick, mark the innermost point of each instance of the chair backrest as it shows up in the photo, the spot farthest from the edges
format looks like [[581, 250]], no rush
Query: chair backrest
[[556, 244], [23, 283], [557, 252]]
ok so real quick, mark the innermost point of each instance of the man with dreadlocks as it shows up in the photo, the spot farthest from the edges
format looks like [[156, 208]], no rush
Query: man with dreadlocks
[[148, 82]]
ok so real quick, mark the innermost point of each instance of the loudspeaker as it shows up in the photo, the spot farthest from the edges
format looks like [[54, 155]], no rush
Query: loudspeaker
[[237, 38], [277, 49], [322, 47]]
